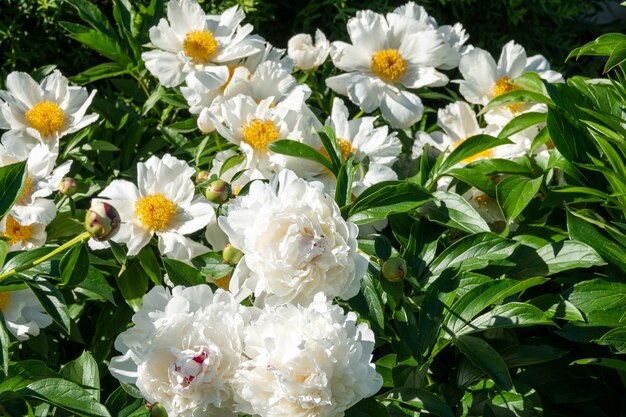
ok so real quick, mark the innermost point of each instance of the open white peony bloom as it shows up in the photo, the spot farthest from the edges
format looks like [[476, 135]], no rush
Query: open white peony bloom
[[41, 181], [295, 242], [304, 53], [43, 112], [360, 138], [388, 55], [191, 44], [20, 237], [184, 350], [161, 203], [23, 313], [459, 122], [306, 361], [484, 79]]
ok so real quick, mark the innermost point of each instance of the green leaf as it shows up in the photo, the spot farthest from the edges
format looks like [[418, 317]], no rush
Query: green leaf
[[417, 399], [133, 283], [367, 407], [5, 340], [514, 97], [468, 148], [96, 283], [12, 179], [505, 316], [99, 72], [182, 274], [386, 198], [84, 371], [524, 355], [472, 252], [4, 250], [615, 338], [522, 122], [598, 295], [375, 305], [602, 46], [66, 395], [300, 150], [452, 210], [514, 193], [329, 141], [74, 265], [585, 232], [481, 297], [345, 178], [13, 405], [92, 15], [606, 362], [52, 301], [485, 358], [150, 264], [100, 43]]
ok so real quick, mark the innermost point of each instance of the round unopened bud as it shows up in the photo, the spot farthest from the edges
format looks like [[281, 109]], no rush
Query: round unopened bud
[[231, 254], [394, 269], [102, 220], [68, 186], [218, 192], [202, 177], [157, 410]]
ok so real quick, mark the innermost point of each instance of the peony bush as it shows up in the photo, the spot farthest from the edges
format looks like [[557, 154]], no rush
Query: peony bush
[[393, 223]]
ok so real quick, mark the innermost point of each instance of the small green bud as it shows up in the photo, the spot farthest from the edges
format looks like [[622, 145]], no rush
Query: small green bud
[[68, 186], [102, 220], [157, 410], [218, 192], [231, 254], [202, 176], [394, 269]]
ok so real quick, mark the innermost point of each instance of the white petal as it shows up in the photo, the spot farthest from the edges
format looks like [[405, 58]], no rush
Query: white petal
[[401, 109]]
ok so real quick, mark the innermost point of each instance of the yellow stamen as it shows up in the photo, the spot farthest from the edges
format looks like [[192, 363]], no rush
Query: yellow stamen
[[482, 199], [16, 232], [155, 211], [45, 116], [28, 184], [346, 149], [231, 72], [5, 298], [200, 45], [388, 65], [503, 86], [259, 133], [223, 282]]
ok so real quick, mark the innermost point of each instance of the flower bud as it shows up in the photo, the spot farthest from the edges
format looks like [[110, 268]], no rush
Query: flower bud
[[102, 220], [157, 410], [67, 186], [231, 254], [218, 192], [202, 176], [394, 269]]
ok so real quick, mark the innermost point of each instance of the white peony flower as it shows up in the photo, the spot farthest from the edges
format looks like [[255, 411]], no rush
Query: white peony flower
[[184, 350], [304, 54], [484, 79], [459, 122], [161, 203], [306, 361], [23, 313], [295, 243], [42, 112], [20, 237], [193, 45], [387, 56]]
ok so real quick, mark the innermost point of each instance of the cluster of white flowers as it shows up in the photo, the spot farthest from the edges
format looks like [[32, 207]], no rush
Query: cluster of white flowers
[[201, 353], [35, 116]]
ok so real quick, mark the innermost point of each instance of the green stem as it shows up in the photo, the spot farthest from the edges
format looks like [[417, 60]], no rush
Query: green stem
[[78, 239]]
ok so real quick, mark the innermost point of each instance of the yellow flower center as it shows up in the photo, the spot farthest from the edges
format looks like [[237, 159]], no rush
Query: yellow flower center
[[346, 149], [5, 297], [503, 86], [28, 184], [486, 154], [482, 199], [259, 133], [200, 45], [46, 116], [388, 65], [16, 232], [155, 211]]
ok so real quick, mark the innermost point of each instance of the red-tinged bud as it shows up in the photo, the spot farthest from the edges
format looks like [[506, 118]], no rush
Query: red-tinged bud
[[68, 186], [102, 220], [218, 192], [394, 269], [202, 176]]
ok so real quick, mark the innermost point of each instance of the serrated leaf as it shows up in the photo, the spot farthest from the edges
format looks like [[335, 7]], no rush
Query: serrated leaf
[[67, 395], [485, 358]]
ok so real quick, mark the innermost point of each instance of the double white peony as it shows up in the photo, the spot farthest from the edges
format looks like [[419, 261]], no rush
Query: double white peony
[[295, 243], [184, 350], [306, 361]]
